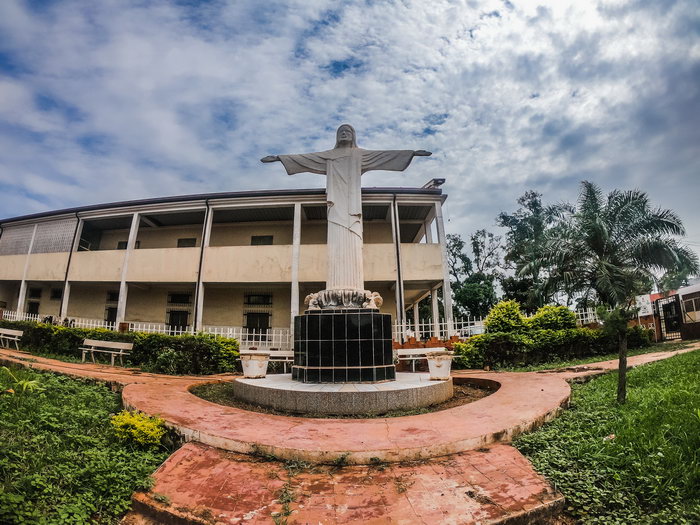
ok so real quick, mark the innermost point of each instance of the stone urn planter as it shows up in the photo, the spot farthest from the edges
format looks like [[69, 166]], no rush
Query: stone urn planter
[[439, 365], [255, 364]]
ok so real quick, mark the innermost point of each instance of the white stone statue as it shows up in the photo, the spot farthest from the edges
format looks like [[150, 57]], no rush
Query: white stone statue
[[343, 167]]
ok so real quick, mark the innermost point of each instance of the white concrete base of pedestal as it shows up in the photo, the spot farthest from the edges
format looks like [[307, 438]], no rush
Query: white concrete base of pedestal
[[279, 392]]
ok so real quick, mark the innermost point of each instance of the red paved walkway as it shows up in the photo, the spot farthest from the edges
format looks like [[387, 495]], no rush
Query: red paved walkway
[[201, 484], [483, 486]]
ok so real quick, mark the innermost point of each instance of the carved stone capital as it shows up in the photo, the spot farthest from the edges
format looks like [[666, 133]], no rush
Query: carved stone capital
[[335, 299]]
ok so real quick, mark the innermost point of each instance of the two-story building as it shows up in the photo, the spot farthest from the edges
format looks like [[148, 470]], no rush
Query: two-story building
[[214, 262]]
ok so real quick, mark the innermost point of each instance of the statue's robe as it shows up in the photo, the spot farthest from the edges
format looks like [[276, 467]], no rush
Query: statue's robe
[[344, 168]]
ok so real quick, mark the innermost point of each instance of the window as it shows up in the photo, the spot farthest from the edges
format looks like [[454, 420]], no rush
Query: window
[[258, 299], [260, 240], [179, 298], [257, 322], [34, 293], [189, 242], [56, 294], [33, 307], [121, 245], [112, 297]]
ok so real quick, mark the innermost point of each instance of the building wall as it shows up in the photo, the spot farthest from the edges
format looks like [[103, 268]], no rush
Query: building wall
[[12, 267], [377, 232], [164, 265], [239, 234], [314, 232], [252, 264], [98, 266], [47, 266], [223, 306], [89, 300], [149, 303], [47, 306], [8, 294]]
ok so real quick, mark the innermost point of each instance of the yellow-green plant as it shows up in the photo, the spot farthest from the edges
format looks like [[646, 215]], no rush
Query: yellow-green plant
[[138, 428], [21, 385]]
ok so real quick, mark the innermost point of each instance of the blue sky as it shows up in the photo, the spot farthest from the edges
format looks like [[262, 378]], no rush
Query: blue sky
[[119, 99]]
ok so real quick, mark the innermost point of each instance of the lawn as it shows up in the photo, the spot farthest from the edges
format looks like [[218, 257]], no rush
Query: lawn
[[656, 347], [60, 461], [636, 463]]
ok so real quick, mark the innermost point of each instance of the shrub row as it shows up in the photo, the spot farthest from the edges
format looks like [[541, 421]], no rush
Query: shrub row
[[500, 349], [506, 317], [166, 354]]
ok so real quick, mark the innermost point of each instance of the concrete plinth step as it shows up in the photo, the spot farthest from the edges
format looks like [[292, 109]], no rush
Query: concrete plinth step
[[200, 484]]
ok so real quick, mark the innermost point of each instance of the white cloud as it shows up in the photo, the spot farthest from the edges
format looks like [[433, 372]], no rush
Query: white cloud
[[155, 98]]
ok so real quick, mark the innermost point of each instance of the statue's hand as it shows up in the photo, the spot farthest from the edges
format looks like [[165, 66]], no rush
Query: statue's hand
[[270, 158], [422, 153]]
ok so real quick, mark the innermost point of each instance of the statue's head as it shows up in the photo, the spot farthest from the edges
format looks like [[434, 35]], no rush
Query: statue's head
[[345, 136]]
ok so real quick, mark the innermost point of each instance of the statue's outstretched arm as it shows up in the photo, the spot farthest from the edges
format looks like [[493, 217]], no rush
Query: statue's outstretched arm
[[422, 153], [270, 158]]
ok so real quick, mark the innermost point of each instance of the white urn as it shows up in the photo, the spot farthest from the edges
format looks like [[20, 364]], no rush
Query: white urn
[[255, 364], [439, 365]]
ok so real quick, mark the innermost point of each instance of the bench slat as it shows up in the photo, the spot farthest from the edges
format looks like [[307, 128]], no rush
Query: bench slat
[[8, 332], [108, 344]]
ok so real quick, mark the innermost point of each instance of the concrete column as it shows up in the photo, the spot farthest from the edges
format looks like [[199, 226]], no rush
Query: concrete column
[[446, 288], [23, 285], [66, 285], [416, 321], [123, 288], [396, 236], [296, 244], [428, 226], [64, 301], [206, 238], [435, 307]]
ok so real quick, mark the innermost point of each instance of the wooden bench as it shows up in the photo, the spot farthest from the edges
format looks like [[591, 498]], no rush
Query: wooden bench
[[113, 348], [282, 356], [7, 335]]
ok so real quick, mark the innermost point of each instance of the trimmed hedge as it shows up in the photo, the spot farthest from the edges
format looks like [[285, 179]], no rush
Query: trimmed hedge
[[551, 317], [165, 354], [505, 317], [551, 334]]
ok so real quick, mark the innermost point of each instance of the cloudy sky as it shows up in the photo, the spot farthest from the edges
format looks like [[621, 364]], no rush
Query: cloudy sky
[[126, 99]]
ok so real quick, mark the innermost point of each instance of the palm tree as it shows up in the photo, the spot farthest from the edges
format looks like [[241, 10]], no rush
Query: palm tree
[[610, 250]]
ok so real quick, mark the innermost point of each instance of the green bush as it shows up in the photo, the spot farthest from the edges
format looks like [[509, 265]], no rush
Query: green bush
[[638, 337], [552, 317], [166, 354], [135, 427], [505, 317], [509, 349], [60, 461]]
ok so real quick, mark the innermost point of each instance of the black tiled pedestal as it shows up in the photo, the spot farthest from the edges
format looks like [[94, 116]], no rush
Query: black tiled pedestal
[[343, 346]]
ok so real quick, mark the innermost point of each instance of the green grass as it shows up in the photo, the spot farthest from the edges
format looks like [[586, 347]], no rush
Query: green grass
[[649, 473], [59, 459], [657, 347]]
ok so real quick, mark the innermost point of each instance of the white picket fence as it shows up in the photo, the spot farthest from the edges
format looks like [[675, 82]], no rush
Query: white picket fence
[[20, 316], [282, 339], [426, 329], [277, 338]]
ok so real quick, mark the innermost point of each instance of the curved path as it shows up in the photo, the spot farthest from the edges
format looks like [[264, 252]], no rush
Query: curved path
[[521, 402], [468, 484]]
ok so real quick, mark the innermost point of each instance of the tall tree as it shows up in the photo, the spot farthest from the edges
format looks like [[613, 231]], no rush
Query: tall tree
[[474, 277], [527, 227], [609, 250]]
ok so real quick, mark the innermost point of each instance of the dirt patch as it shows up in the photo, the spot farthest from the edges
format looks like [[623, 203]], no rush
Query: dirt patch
[[222, 394]]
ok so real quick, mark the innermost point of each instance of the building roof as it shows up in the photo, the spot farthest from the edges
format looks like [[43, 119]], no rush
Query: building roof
[[217, 196]]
